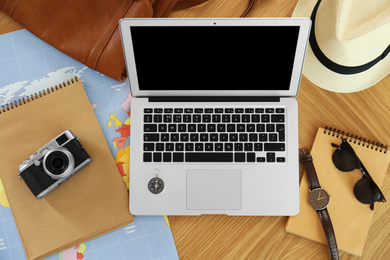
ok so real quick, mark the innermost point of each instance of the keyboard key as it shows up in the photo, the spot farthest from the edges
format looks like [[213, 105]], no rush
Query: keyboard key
[[249, 110], [157, 118], [260, 159], [216, 118], [255, 118], [273, 137], [238, 147], [178, 110], [229, 110], [150, 128], [270, 157], [148, 118], [218, 147], [169, 147], [188, 110], [226, 118], [160, 147], [239, 110], [240, 128], [279, 110], [239, 157], [277, 118], [258, 147], [148, 146], [269, 110], [167, 157], [259, 110], [270, 127], [228, 147], [178, 157], [277, 147], [198, 110], [189, 147], [179, 147], [148, 110], [250, 157], [167, 118], [198, 146], [174, 137], [209, 147], [209, 157], [162, 127], [164, 137], [184, 137], [158, 110], [157, 157], [280, 159], [265, 118], [209, 110], [177, 118], [248, 147], [201, 127], [151, 137], [219, 110], [147, 157], [168, 110]]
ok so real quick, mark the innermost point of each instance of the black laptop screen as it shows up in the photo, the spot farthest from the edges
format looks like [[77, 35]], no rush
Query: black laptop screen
[[214, 58]]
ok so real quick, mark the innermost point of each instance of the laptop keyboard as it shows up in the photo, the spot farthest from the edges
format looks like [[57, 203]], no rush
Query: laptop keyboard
[[255, 135]]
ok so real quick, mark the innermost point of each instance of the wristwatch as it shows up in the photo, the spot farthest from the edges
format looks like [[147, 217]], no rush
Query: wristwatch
[[319, 200]]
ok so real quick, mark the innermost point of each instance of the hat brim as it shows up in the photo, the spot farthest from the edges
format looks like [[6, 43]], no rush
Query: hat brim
[[321, 76]]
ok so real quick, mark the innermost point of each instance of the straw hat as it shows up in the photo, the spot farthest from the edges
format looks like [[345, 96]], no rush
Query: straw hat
[[349, 43]]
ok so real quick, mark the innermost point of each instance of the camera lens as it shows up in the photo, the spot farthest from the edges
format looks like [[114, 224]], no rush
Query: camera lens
[[57, 163]]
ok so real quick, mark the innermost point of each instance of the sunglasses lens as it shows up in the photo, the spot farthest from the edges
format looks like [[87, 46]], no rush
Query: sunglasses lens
[[344, 160], [366, 191]]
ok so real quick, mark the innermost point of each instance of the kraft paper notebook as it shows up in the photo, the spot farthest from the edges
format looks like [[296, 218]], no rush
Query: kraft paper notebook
[[351, 220], [92, 202]]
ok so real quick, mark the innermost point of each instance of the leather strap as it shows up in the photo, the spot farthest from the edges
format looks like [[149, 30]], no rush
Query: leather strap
[[307, 162], [329, 233], [323, 214]]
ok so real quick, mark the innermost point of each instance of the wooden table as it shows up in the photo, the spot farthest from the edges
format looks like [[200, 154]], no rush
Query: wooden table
[[366, 113]]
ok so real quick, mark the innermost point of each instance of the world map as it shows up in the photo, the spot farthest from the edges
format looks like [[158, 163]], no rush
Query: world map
[[28, 66]]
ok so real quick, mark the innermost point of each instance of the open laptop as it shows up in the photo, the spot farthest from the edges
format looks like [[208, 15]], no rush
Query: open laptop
[[214, 122]]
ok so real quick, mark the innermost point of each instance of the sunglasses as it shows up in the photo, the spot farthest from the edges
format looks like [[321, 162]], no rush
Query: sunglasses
[[366, 191]]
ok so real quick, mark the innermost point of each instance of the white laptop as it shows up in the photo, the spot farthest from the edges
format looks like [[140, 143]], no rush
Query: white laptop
[[214, 122]]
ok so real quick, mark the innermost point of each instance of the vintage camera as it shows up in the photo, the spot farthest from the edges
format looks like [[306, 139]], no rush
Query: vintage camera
[[53, 164]]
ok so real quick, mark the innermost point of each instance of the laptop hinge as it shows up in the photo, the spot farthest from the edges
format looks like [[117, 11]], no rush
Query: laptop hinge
[[214, 99]]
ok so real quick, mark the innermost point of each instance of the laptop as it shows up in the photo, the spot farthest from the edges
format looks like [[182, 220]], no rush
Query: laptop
[[214, 120]]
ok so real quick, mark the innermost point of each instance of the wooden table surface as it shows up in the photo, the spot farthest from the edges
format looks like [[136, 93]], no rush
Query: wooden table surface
[[366, 113]]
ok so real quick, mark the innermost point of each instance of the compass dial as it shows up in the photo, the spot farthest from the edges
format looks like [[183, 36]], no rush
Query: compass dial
[[156, 185]]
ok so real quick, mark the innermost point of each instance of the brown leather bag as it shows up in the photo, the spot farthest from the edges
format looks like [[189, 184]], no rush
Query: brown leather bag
[[86, 30]]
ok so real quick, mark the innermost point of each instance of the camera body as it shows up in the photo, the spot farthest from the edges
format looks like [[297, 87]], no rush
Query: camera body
[[53, 164]]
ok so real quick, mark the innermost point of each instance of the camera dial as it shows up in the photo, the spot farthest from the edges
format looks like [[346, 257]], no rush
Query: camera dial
[[58, 163]]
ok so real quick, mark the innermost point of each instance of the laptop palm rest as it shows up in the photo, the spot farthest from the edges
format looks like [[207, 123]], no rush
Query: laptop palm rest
[[214, 189]]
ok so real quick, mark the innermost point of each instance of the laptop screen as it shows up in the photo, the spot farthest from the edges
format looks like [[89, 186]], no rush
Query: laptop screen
[[243, 58]]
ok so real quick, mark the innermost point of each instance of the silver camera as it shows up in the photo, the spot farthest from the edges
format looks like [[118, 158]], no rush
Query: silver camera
[[53, 164]]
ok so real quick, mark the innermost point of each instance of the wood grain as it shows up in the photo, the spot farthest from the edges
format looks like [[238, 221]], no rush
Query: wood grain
[[365, 113]]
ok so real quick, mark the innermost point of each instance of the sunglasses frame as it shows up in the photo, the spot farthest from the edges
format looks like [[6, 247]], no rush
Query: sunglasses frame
[[346, 146]]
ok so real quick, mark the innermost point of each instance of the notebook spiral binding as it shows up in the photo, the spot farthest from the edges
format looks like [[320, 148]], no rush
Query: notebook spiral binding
[[25, 100], [356, 139]]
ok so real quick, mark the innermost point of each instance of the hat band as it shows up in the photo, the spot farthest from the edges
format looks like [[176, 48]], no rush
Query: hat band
[[331, 64]]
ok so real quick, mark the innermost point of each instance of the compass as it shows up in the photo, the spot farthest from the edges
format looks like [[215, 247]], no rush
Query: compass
[[156, 185]]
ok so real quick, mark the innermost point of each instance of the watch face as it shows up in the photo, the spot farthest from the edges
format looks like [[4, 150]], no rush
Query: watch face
[[318, 199]]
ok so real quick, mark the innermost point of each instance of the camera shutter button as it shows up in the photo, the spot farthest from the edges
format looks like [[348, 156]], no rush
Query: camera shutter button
[[37, 163]]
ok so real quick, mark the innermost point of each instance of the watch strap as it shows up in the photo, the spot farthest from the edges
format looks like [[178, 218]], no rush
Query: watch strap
[[323, 214], [329, 233], [307, 161]]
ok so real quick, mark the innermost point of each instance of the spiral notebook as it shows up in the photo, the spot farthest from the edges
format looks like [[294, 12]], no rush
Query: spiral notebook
[[351, 219], [92, 202]]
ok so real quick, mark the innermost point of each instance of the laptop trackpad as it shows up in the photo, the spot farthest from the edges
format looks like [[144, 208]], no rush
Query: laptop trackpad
[[213, 189]]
